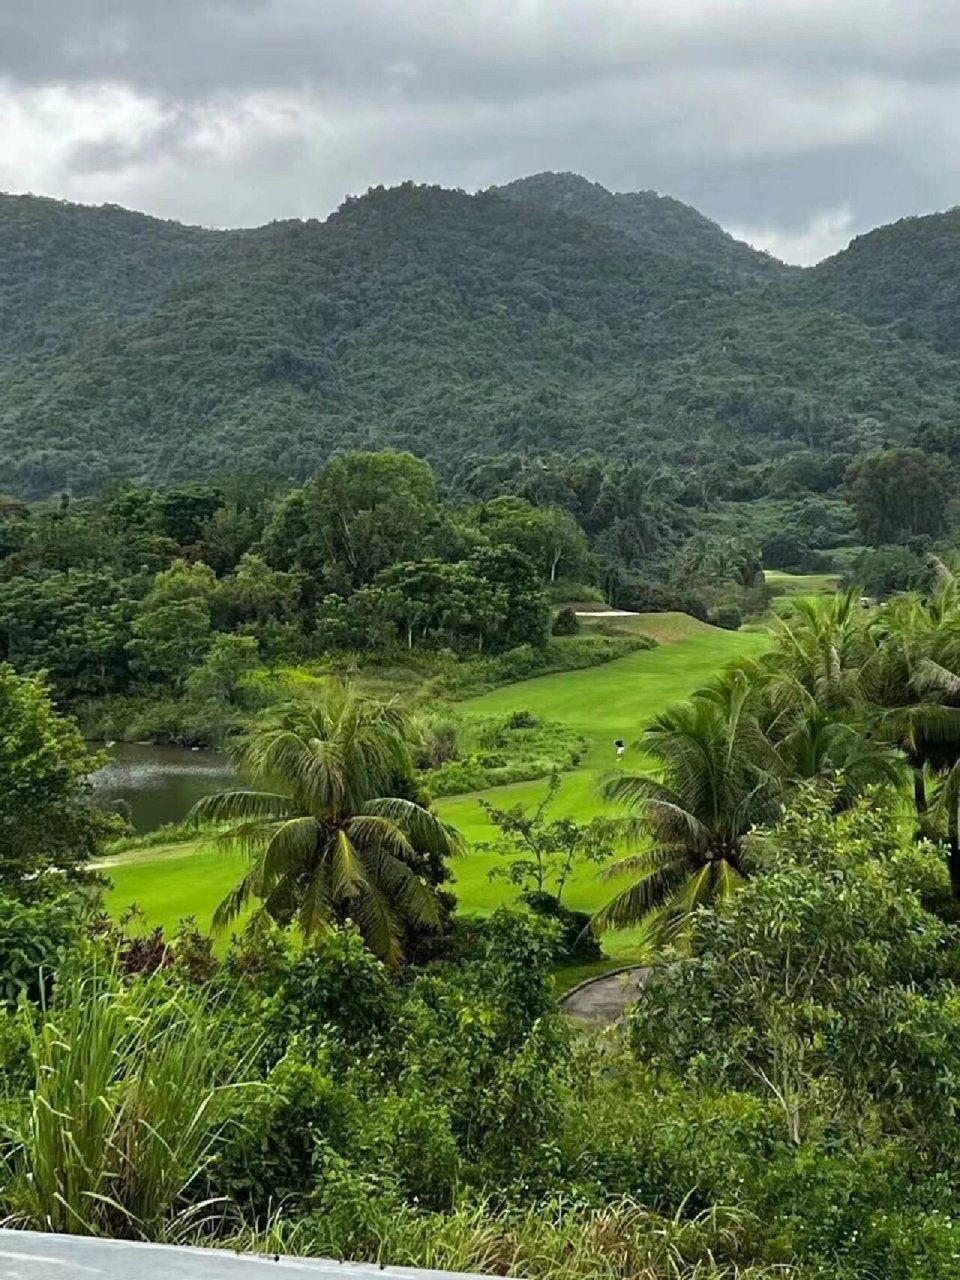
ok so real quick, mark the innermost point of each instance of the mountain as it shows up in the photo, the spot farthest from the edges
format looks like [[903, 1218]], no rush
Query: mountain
[[657, 223], [456, 326], [905, 276], [64, 267]]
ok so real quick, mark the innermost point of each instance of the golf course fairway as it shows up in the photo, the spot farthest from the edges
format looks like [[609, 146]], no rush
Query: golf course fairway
[[614, 700]]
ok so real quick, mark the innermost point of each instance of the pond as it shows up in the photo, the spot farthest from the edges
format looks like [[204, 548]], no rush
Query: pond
[[156, 785]]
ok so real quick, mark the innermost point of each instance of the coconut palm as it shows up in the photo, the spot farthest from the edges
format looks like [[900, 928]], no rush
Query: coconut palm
[[726, 761], [815, 745], [911, 682], [327, 834], [823, 648], [718, 778]]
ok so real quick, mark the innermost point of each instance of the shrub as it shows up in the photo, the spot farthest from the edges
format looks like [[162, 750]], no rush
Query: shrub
[[561, 591], [35, 940], [727, 616], [655, 597], [522, 719], [438, 744], [575, 940], [565, 623]]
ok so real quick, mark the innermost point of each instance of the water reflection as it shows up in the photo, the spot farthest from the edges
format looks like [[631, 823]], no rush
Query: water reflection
[[154, 785]]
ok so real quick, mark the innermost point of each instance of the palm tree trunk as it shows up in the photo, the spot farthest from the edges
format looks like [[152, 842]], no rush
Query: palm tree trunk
[[919, 790]]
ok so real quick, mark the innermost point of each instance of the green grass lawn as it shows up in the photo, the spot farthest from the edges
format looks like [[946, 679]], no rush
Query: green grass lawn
[[602, 703], [801, 584]]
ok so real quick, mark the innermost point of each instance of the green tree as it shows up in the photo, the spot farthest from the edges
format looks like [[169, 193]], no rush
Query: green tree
[[885, 571], [172, 630], [549, 537], [255, 595], [443, 605], [333, 838], [823, 650], [526, 612], [184, 512], [900, 494], [542, 854], [225, 671], [50, 827], [362, 513], [74, 626], [819, 980]]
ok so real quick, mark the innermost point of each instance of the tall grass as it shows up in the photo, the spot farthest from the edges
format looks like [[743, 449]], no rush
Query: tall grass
[[625, 1241], [128, 1107]]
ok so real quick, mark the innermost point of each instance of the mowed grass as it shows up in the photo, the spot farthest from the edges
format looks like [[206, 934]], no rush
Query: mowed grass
[[602, 703], [801, 584]]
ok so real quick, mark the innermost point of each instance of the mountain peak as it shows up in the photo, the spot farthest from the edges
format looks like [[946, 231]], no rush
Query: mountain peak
[[660, 224]]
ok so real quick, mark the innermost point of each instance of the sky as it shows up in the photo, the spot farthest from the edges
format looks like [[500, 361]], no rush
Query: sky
[[796, 124]]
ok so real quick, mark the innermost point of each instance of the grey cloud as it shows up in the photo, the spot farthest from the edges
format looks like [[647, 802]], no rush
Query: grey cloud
[[778, 117]]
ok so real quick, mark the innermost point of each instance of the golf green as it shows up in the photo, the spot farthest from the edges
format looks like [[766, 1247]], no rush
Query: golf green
[[602, 703]]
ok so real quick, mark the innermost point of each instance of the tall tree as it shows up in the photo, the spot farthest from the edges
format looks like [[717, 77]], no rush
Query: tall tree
[[362, 513], [171, 632], [900, 493], [549, 537]]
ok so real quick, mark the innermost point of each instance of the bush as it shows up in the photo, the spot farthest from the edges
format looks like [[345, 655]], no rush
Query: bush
[[35, 940], [575, 940], [565, 623], [655, 597], [563, 590], [438, 744], [727, 616], [522, 719]]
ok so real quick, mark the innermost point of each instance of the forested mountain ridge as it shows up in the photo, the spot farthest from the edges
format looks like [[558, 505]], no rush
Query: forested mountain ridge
[[456, 326], [656, 222], [64, 266], [905, 275]]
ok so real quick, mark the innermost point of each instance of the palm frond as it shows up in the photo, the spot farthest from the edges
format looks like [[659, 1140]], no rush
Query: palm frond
[[293, 845], [348, 875], [634, 904], [656, 858], [426, 832], [231, 806], [233, 904]]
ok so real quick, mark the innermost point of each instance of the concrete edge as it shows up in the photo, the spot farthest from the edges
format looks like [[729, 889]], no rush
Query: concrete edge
[[600, 977]]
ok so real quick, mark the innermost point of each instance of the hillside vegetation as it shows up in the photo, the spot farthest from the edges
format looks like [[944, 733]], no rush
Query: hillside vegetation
[[551, 317]]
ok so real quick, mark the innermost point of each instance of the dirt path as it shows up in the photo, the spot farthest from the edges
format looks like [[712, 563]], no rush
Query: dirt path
[[601, 1001]]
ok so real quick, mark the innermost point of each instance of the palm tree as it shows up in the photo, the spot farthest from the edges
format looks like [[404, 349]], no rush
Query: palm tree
[[727, 761], [815, 745], [328, 836], [823, 648], [719, 778], [911, 682]]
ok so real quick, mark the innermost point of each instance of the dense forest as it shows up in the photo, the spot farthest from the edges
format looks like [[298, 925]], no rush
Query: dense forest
[[549, 317]]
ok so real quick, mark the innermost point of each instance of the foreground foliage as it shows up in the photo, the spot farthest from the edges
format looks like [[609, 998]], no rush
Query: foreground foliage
[[782, 1102]]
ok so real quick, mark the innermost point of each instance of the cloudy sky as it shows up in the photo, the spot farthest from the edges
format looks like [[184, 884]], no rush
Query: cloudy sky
[[794, 123]]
